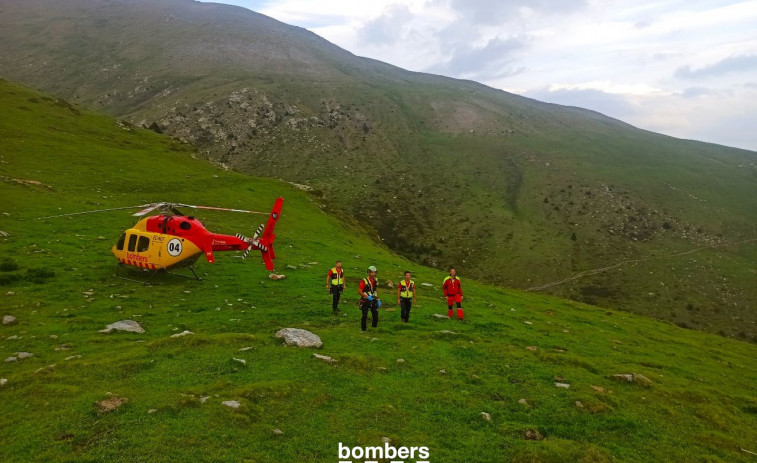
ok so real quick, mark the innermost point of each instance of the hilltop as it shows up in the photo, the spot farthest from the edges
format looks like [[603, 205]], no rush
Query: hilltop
[[57, 280], [510, 190]]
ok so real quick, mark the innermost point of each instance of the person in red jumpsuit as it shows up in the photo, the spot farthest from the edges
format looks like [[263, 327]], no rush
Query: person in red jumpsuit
[[453, 291]]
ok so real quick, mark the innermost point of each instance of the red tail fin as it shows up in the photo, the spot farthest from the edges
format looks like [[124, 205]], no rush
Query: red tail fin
[[268, 236]]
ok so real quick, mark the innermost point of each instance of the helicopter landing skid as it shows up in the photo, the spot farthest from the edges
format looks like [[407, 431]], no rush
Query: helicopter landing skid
[[152, 275]]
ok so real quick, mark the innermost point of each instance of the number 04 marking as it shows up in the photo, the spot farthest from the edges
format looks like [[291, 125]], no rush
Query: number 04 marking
[[174, 247]]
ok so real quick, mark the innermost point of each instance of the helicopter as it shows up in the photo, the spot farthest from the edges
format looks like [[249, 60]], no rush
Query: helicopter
[[172, 240]]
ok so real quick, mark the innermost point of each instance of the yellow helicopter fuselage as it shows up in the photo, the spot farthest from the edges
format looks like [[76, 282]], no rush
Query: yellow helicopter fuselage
[[140, 248]]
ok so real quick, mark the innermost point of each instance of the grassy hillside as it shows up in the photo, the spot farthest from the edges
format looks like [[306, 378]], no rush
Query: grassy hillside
[[511, 190], [57, 279]]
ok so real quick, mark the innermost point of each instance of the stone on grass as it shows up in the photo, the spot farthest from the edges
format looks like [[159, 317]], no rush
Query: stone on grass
[[73, 357], [8, 319], [275, 276], [443, 372], [325, 358], [532, 434], [447, 332], [3, 381], [110, 404], [242, 361], [123, 325], [563, 385], [204, 399], [11, 359], [533, 348], [524, 402], [400, 360], [277, 431], [24, 355], [231, 404], [486, 416], [438, 315], [151, 411], [299, 337], [598, 388], [183, 333]]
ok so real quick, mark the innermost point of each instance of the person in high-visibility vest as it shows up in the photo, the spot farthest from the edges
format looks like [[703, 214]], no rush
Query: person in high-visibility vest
[[369, 300], [454, 293], [335, 284], [406, 296]]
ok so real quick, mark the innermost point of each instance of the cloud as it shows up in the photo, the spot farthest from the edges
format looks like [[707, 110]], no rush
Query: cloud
[[733, 64], [493, 12], [611, 104], [495, 59], [387, 28]]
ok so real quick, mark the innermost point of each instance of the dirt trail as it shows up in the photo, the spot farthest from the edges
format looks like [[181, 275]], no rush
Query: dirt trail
[[634, 261]]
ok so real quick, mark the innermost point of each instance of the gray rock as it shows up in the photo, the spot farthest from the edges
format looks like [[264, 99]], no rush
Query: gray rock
[[11, 359], [73, 357], [633, 378], [231, 404], [24, 355], [524, 402], [400, 360], [277, 431], [183, 333], [486, 416], [8, 319], [123, 325], [242, 361], [447, 332], [300, 338], [563, 385], [438, 315], [3, 381], [204, 399]]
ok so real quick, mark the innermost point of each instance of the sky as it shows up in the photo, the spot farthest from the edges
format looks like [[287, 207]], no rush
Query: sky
[[685, 68]]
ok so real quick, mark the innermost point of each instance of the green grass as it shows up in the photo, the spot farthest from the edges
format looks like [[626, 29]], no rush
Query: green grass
[[702, 406]]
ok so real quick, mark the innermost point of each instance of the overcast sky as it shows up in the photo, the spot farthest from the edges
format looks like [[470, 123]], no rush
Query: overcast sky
[[686, 68]]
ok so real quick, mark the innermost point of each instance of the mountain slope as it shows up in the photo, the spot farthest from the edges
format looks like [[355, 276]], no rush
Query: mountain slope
[[56, 276], [508, 189]]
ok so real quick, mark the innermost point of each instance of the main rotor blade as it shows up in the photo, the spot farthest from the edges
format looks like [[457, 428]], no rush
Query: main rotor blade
[[91, 212], [220, 209], [148, 209]]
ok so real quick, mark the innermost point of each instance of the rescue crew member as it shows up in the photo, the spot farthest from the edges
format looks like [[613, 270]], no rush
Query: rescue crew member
[[454, 293], [406, 296], [335, 284], [369, 300]]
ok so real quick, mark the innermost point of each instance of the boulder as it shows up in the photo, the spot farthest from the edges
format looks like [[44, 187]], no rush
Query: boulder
[[123, 325], [299, 337]]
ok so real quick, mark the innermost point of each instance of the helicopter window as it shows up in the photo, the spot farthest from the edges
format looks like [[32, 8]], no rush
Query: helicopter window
[[132, 242], [144, 243], [120, 244], [185, 225]]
